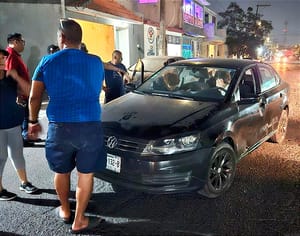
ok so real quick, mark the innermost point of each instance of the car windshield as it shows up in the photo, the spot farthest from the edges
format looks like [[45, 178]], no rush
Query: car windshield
[[193, 82], [151, 64]]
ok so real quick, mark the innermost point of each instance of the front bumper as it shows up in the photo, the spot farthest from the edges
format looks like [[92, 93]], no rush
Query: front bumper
[[182, 172]]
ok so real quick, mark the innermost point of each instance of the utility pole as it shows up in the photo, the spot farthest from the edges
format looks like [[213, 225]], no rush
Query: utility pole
[[261, 5], [285, 31], [162, 29]]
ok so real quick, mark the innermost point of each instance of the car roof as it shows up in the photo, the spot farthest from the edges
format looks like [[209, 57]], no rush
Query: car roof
[[161, 57], [215, 62]]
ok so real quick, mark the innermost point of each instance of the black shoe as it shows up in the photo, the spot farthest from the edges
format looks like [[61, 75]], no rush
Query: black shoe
[[27, 143], [31, 142], [38, 140], [28, 187], [6, 196]]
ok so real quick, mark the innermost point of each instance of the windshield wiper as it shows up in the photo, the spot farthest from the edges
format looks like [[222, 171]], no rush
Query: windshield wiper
[[180, 96], [160, 94], [142, 92], [170, 95]]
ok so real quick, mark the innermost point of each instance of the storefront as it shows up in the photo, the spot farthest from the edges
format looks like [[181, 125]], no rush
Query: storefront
[[107, 25], [193, 13], [174, 42]]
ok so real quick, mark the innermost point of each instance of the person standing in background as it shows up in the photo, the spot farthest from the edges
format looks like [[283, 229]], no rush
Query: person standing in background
[[114, 83], [73, 80], [12, 116], [107, 65], [16, 45], [52, 49]]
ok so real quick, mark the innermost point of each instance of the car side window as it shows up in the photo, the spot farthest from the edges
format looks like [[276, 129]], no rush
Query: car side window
[[269, 79], [247, 85]]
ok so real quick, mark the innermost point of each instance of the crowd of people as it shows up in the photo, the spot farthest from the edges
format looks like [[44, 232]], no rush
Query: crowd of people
[[68, 113]]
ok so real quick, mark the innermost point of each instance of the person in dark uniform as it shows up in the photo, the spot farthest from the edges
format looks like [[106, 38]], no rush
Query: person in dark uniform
[[114, 83]]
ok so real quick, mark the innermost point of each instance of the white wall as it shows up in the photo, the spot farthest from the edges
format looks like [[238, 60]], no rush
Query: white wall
[[37, 23]]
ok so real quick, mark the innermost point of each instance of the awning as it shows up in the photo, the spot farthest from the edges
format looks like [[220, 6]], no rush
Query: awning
[[108, 9]]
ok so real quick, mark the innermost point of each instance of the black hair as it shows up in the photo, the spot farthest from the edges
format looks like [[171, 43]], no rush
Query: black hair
[[83, 47], [4, 52], [71, 30], [52, 48], [13, 36]]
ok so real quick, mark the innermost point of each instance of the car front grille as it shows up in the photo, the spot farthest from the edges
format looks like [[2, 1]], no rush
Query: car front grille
[[126, 145]]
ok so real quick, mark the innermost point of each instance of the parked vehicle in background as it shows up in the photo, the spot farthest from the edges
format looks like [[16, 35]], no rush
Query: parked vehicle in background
[[151, 65], [283, 56], [187, 126]]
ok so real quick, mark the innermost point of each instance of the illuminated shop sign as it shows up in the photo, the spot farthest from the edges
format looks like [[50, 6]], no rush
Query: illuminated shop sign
[[198, 15], [148, 1], [188, 11], [192, 13], [173, 39]]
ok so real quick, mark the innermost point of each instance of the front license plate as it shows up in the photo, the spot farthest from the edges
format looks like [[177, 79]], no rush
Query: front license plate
[[113, 163]]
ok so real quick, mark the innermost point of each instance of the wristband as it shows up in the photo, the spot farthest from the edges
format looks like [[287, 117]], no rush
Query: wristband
[[33, 121]]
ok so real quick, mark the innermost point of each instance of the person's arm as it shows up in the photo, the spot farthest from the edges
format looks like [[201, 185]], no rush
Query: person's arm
[[108, 66], [22, 83], [9, 63], [35, 100]]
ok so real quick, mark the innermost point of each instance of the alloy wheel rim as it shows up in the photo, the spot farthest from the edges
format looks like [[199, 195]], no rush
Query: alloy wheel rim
[[221, 171]]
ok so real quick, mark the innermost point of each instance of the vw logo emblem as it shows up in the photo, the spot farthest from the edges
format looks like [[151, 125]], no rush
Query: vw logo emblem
[[112, 142]]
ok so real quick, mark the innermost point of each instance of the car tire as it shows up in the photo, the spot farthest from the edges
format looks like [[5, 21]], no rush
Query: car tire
[[280, 134], [221, 171]]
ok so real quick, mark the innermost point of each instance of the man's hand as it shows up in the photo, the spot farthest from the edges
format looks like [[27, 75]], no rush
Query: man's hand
[[13, 73], [34, 131], [104, 88], [126, 78]]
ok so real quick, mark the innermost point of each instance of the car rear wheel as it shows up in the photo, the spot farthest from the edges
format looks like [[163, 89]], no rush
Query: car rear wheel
[[280, 134], [221, 171]]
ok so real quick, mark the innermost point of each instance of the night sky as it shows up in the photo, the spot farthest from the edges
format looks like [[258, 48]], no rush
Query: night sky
[[284, 14]]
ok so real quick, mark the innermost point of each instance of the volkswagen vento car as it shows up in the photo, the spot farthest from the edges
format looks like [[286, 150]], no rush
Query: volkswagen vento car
[[189, 124]]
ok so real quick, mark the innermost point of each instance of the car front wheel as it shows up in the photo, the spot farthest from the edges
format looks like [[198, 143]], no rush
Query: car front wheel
[[221, 171]]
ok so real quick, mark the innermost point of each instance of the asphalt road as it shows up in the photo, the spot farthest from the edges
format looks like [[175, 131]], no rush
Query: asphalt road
[[264, 198]]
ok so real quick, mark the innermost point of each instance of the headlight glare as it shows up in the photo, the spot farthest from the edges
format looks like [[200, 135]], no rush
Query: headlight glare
[[172, 145]]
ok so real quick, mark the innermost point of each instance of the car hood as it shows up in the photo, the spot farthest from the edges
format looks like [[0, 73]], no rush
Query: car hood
[[150, 117]]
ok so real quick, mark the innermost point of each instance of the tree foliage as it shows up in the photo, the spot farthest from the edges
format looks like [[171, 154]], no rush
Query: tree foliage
[[246, 31]]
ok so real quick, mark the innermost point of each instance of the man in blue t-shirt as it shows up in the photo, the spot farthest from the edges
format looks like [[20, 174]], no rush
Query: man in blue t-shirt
[[114, 84], [73, 80]]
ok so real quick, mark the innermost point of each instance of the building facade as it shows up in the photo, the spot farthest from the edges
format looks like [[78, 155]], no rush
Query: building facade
[[138, 28]]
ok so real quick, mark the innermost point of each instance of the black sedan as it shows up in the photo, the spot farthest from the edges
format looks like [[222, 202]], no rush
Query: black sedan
[[189, 124]]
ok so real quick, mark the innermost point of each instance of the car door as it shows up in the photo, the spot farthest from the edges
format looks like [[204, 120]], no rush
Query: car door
[[273, 95], [249, 127]]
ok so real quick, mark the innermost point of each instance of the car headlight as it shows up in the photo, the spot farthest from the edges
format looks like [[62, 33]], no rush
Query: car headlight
[[169, 146]]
